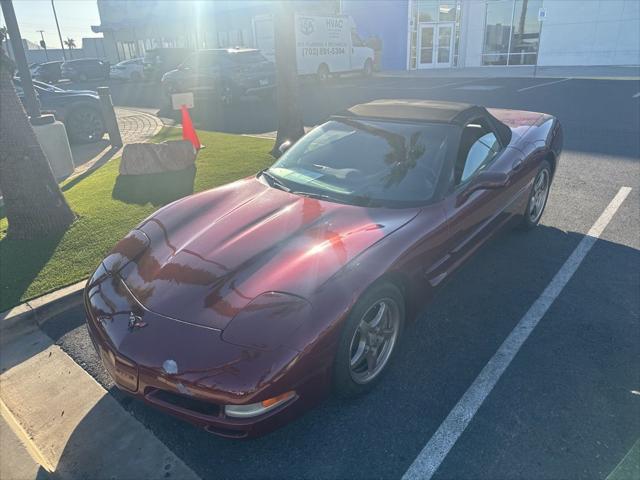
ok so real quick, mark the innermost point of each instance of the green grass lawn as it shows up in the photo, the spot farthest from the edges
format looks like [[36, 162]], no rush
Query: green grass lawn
[[108, 206]]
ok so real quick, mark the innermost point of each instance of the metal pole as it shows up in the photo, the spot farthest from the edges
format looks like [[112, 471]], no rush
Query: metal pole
[[58, 27], [30, 99], [109, 116], [44, 44]]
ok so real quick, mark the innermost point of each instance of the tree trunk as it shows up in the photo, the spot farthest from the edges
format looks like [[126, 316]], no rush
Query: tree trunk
[[290, 125], [33, 202]]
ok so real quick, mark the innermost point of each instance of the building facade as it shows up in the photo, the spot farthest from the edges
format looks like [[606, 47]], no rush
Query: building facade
[[413, 34], [130, 27], [423, 34]]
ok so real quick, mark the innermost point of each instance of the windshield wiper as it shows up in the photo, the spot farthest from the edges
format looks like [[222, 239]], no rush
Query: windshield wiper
[[318, 196], [274, 181]]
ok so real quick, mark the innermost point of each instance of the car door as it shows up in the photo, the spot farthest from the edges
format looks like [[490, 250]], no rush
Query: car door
[[479, 195]]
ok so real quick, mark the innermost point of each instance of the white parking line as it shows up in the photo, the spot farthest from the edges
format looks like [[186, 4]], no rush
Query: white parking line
[[636, 95], [544, 84], [435, 451]]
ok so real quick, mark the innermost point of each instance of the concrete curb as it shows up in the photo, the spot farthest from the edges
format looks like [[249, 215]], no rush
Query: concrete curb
[[36, 312]]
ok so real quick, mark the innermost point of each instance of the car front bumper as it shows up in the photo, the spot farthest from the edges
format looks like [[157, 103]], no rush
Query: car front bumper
[[209, 373]]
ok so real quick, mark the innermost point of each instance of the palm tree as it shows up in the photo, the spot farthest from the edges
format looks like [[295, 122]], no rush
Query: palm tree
[[71, 44], [290, 125], [33, 202]]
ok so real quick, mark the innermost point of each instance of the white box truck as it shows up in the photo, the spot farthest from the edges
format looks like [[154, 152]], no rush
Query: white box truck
[[325, 45]]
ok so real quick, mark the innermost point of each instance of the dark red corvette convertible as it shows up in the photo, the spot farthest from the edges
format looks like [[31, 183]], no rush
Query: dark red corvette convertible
[[240, 307]]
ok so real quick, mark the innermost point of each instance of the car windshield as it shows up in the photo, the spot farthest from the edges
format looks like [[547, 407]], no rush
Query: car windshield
[[366, 162]]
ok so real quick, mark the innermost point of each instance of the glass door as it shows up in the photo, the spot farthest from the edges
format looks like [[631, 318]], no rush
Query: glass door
[[435, 41], [426, 43], [444, 49]]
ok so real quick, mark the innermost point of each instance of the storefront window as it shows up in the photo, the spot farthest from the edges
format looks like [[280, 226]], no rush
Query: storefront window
[[428, 10], [525, 33], [447, 11], [512, 32]]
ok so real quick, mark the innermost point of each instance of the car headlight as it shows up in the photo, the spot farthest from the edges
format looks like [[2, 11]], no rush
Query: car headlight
[[268, 321], [255, 409]]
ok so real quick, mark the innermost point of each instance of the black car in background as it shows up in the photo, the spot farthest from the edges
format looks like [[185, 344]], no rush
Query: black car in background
[[79, 110], [85, 69], [159, 61], [227, 74], [49, 72]]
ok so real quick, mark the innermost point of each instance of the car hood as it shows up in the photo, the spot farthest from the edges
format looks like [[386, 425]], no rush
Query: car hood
[[205, 257]]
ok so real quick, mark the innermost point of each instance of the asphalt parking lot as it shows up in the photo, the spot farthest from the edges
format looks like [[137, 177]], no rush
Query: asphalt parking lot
[[567, 406]]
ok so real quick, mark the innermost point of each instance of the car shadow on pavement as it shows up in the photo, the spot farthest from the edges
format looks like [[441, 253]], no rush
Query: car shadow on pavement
[[155, 188], [380, 434]]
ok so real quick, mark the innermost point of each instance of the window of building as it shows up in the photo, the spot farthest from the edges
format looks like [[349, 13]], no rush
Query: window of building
[[512, 32], [424, 38]]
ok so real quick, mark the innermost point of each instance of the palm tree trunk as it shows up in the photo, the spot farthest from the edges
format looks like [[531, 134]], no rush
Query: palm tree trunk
[[33, 202], [290, 125]]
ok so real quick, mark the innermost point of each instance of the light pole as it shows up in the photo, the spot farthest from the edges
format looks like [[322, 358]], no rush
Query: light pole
[[58, 27], [43, 44]]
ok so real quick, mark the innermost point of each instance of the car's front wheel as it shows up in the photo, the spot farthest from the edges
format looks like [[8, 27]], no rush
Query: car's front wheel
[[538, 197], [85, 125], [369, 339]]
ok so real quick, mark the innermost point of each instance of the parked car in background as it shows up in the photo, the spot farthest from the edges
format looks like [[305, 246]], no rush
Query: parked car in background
[[227, 73], [33, 67], [49, 72], [79, 110], [131, 70], [159, 61], [85, 69]]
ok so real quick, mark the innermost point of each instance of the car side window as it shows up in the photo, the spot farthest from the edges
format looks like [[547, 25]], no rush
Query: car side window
[[478, 147], [480, 155]]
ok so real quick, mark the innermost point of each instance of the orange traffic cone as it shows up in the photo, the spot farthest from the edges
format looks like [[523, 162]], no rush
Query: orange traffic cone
[[188, 132]]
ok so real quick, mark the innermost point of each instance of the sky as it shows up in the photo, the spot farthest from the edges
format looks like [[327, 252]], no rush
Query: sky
[[75, 18]]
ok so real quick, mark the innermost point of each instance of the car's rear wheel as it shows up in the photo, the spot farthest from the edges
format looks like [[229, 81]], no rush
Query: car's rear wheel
[[369, 339], [323, 73], [85, 125], [83, 77], [228, 95], [538, 197], [367, 71]]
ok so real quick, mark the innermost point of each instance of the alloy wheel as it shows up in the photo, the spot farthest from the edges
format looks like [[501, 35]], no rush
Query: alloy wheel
[[86, 125], [539, 195], [373, 341]]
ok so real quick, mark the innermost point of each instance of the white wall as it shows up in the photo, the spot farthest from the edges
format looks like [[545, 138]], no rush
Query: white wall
[[590, 32]]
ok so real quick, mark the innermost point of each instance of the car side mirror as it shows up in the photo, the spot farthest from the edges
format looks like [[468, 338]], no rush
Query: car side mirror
[[482, 181], [284, 146]]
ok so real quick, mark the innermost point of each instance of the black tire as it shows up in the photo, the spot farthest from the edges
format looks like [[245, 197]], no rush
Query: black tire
[[85, 125], [323, 73], [344, 382], [530, 218], [367, 70], [228, 95]]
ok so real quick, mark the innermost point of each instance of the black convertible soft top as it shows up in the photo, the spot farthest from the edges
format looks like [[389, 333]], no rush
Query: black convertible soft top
[[427, 111]]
